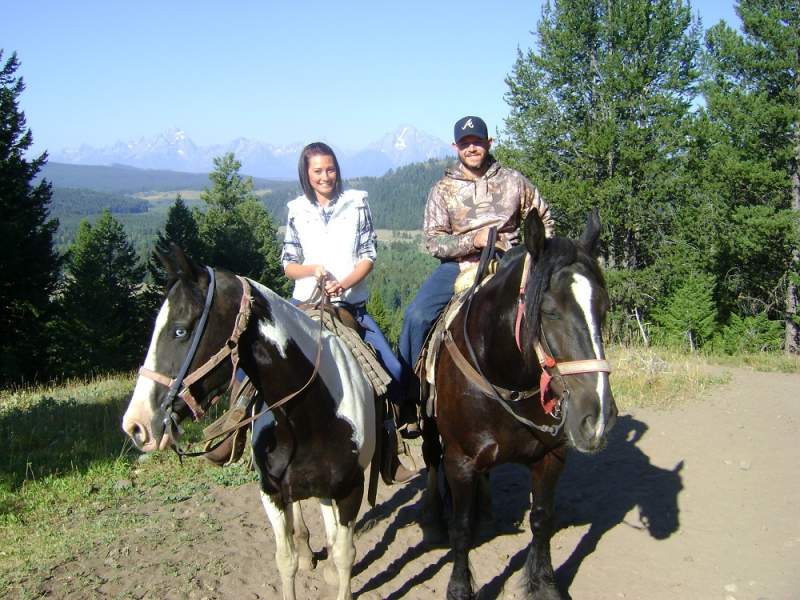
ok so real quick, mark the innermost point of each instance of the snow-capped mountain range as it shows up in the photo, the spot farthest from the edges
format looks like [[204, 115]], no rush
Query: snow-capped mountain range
[[174, 150]]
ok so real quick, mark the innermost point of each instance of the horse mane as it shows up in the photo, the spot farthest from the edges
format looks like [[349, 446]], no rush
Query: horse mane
[[558, 252]]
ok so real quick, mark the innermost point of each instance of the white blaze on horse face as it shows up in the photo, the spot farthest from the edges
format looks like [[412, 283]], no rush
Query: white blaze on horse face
[[338, 369], [140, 408], [582, 290]]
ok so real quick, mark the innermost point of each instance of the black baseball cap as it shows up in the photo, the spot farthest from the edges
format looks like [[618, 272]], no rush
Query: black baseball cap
[[470, 126]]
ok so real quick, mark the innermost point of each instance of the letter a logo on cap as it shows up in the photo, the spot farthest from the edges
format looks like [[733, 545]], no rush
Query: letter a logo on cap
[[469, 125]]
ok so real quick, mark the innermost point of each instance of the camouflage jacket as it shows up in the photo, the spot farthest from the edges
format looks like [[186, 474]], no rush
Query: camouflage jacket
[[459, 206]]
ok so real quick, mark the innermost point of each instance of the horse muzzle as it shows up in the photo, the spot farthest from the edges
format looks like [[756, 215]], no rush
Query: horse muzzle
[[159, 434], [587, 430]]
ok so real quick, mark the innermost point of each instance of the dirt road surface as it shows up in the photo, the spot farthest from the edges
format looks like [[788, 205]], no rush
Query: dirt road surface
[[698, 502]]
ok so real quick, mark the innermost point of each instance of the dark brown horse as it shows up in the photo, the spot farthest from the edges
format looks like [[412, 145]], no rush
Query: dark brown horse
[[316, 444], [521, 376]]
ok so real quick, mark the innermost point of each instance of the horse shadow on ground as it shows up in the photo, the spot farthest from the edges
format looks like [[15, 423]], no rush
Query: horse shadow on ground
[[600, 490], [407, 515]]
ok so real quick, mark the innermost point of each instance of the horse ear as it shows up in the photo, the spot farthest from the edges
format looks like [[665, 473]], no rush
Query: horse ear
[[185, 268], [178, 265], [533, 232], [590, 239]]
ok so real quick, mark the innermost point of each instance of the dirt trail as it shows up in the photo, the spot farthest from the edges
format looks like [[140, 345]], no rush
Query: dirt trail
[[699, 502]]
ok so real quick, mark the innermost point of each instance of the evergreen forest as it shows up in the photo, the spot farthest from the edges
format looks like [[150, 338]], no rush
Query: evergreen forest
[[688, 143]]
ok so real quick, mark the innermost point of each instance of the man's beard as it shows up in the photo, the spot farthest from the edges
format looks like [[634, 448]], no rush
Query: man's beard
[[480, 167]]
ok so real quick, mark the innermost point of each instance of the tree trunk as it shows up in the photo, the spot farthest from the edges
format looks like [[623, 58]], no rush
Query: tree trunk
[[641, 328], [792, 340]]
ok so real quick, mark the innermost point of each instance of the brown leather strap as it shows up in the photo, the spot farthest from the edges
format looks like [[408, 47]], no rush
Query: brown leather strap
[[286, 398], [157, 377], [575, 367], [477, 379]]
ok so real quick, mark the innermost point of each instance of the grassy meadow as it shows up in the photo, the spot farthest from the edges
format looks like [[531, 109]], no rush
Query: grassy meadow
[[70, 482]]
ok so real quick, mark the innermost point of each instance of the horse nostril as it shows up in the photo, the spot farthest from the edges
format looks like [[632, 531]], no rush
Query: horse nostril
[[136, 432]]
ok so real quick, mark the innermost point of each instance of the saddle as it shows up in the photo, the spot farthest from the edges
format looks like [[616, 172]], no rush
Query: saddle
[[425, 367], [342, 324]]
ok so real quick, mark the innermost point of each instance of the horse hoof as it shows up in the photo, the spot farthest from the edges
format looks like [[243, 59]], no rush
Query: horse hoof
[[460, 594], [545, 592]]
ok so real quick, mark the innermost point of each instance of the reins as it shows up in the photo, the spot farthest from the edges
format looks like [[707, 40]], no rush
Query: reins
[[550, 367], [230, 348], [473, 371]]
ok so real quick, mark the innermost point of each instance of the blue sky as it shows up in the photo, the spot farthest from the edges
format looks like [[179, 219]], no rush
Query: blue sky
[[279, 72]]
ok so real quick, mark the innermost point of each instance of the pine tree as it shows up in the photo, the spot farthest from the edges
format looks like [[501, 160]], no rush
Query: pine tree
[[102, 324], [752, 96], [181, 229], [597, 113], [236, 230], [30, 264], [599, 110], [690, 315], [377, 310]]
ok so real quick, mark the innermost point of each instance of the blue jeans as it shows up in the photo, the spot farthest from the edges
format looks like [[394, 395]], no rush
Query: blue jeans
[[424, 309]]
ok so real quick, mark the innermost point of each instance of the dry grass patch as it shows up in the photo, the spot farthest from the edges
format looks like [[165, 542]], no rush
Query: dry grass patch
[[659, 378]]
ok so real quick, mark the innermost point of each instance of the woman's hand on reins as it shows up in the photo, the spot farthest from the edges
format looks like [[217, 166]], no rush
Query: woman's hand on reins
[[333, 287]]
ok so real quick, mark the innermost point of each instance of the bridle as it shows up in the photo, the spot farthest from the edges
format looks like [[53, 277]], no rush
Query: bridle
[[550, 367], [184, 380], [230, 348]]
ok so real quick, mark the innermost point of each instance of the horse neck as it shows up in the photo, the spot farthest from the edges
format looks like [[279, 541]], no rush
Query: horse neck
[[279, 349], [492, 320]]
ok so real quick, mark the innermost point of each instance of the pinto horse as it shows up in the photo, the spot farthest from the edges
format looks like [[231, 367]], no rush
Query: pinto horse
[[323, 433], [521, 375]]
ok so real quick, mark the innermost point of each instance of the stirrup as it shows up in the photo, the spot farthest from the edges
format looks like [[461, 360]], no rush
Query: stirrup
[[392, 470], [410, 431], [401, 473]]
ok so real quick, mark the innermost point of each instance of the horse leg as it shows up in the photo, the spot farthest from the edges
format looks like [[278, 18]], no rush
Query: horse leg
[[340, 520], [540, 579], [434, 528], [280, 518], [301, 537], [329, 521], [462, 478]]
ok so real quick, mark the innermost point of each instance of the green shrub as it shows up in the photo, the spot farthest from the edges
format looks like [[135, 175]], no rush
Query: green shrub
[[689, 315], [749, 334]]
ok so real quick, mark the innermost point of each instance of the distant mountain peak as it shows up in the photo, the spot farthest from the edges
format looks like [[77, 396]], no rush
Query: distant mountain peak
[[173, 149]]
